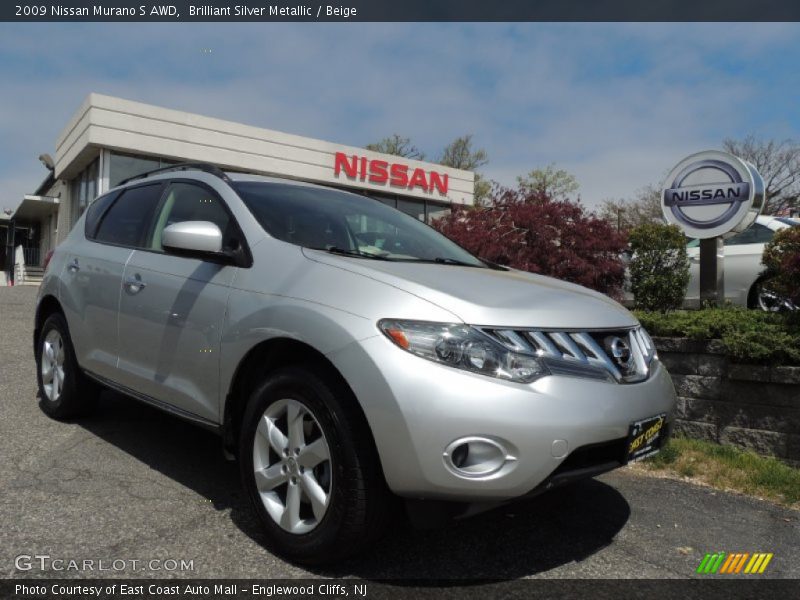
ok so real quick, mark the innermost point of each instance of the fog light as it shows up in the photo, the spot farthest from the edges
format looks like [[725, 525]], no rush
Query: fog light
[[476, 456], [459, 455]]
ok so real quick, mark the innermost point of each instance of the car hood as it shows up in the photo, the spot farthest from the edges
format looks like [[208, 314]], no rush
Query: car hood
[[491, 297]]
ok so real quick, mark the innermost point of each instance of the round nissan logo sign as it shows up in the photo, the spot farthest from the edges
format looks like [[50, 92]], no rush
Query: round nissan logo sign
[[712, 193]]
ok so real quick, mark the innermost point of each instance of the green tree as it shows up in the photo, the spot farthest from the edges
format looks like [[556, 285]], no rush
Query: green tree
[[659, 269], [460, 154], [483, 190], [557, 184], [399, 146]]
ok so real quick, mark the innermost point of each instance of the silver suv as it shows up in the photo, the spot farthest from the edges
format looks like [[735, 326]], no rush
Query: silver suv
[[348, 354]]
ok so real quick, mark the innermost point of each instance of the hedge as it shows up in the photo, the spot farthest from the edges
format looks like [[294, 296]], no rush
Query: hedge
[[748, 336]]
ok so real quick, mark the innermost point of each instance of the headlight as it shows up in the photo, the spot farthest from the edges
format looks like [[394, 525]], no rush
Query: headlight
[[463, 347]]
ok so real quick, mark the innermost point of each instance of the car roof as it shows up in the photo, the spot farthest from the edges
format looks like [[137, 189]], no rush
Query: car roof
[[187, 171]]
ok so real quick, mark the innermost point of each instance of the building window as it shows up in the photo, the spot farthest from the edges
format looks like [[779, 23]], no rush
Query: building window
[[415, 208], [388, 200], [83, 189], [123, 166]]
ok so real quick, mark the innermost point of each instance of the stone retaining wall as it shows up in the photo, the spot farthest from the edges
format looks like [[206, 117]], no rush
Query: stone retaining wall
[[750, 406]]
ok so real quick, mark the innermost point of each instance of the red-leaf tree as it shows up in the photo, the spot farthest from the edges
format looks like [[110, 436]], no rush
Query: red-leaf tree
[[530, 231]]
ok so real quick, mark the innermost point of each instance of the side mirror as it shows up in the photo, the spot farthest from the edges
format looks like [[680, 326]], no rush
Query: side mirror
[[193, 236]]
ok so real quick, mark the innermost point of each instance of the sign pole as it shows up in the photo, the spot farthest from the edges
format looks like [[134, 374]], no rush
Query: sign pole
[[712, 274]]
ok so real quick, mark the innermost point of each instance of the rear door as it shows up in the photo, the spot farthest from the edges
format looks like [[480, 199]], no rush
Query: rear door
[[172, 308], [92, 278]]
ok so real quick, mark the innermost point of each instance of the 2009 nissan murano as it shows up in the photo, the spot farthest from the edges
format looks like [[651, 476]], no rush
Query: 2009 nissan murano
[[347, 353]]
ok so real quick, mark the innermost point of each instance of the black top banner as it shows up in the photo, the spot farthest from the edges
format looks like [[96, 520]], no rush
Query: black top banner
[[405, 10]]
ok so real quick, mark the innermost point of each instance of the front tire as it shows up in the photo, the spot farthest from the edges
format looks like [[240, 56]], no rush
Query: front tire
[[64, 391], [310, 468], [761, 297]]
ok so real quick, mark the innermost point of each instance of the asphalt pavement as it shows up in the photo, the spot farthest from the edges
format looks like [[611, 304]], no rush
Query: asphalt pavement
[[132, 485]]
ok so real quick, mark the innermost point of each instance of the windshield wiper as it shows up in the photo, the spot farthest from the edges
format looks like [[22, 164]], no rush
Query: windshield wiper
[[440, 260], [359, 253], [453, 261]]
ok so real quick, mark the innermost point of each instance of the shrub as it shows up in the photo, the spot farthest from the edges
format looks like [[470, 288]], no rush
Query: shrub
[[748, 336], [659, 269], [530, 231], [782, 259]]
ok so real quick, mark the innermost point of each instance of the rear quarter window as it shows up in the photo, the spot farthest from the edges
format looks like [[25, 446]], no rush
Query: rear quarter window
[[96, 211]]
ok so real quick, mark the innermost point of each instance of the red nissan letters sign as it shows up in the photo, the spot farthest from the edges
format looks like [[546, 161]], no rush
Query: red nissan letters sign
[[396, 174]]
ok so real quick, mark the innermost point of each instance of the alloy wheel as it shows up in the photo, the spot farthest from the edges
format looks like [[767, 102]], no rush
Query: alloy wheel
[[52, 365], [292, 466]]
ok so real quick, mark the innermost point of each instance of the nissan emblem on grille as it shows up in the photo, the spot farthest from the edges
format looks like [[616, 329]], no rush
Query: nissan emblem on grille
[[619, 350]]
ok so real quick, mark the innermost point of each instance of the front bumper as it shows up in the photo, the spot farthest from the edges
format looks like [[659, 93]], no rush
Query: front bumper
[[417, 408]]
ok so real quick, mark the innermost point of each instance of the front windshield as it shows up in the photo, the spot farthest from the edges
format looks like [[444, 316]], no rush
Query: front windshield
[[343, 223]]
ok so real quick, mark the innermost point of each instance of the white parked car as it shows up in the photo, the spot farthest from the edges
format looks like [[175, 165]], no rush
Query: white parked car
[[742, 264]]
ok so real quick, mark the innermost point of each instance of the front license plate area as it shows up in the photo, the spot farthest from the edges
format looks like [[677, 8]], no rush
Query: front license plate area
[[645, 437]]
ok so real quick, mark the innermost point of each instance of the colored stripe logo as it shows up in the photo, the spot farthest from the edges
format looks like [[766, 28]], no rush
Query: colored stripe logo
[[734, 563]]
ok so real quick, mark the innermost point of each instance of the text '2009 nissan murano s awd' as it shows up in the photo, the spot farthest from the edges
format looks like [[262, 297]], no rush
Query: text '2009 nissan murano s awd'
[[348, 354]]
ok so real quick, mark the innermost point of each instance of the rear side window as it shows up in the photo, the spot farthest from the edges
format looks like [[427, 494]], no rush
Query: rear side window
[[127, 221], [96, 211]]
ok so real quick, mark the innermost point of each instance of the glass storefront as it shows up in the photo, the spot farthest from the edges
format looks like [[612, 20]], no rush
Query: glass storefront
[[123, 166], [412, 207], [424, 210], [84, 188]]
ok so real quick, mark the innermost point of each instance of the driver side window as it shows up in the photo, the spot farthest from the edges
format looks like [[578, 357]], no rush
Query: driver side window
[[190, 202]]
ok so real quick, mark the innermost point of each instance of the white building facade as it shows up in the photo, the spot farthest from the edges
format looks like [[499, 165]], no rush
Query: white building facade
[[109, 139]]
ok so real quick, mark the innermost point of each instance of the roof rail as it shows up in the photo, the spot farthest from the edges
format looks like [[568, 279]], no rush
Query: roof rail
[[205, 167]]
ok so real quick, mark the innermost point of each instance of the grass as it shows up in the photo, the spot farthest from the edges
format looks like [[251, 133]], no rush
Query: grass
[[728, 468]]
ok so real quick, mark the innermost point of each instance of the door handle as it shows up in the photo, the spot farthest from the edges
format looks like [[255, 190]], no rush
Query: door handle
[[74, 266], [135, 284]]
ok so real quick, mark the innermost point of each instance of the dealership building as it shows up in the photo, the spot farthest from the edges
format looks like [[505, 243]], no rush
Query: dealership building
[[110, 139]]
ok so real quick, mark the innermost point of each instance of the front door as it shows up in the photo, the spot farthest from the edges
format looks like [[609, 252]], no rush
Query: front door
[[172, 310]]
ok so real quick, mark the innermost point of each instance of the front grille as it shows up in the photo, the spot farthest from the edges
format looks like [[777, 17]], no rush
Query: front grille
[[583, 462], [621, 355]]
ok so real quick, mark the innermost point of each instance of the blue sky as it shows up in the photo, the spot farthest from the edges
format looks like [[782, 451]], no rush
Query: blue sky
[[615, 104]]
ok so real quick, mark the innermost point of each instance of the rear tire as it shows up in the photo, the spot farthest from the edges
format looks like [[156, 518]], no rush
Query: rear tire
[[310, 468], [64, 391]]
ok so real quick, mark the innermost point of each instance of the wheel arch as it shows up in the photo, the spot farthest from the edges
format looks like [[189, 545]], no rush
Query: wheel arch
[[752, 292], [267, 356], [48, 305]]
